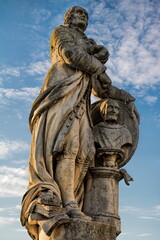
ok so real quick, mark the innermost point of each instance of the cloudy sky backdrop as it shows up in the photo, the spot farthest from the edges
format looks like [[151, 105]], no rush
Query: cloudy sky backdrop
[[131, 32]]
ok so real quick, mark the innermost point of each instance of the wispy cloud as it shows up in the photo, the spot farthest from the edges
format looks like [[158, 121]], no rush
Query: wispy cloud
[[9, 70], [25, 94], [125, 233], [10, 211], [34, 68], [151, 99], [130, 30], [38, 68], [9, 215], [20, 162], [129, 209], [150, 218], [144, 235], [13, 181], [15, 208], [143, 213], [20, 230], [8, 220], [156, 118], [8, 147], [41, 15], [153, 214], [157, 210], [31, 26]]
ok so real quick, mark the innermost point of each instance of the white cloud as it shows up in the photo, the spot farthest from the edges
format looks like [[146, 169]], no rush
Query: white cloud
[[25, 94], [7, 72], [11, 212], [8, 220], [19, 115], [151, 99], [20, 162], [144, 235], [151, 214], [157, 210], [125, 233], [13, 181], [143, 213], [31, 26], [129, 209], [8, 147], [34, 68], [130, 30], [156, 118], [38, 68], [12, 71], [41, 15], [10, 215], [21, 230], [150, 218]]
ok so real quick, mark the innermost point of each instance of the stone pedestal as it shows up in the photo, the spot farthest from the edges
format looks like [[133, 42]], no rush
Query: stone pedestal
[[82, 230], [101, 200]]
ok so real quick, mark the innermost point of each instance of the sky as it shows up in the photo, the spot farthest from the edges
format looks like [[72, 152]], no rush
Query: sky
[[131, 31]]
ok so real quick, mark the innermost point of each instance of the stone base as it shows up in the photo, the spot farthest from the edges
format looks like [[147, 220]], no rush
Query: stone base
[[82, 230]]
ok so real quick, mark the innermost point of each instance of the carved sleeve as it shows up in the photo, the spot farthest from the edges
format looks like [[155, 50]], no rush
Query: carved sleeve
[[64, 40]]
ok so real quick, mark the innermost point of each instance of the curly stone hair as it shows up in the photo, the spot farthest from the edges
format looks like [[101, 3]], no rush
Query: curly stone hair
[[69, 14]]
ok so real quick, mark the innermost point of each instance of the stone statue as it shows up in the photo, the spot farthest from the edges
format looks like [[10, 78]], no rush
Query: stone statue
[[112, 139], [62, 146]]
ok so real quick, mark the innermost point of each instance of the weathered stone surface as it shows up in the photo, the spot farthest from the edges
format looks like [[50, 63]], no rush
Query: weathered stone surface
[[101, 199], [83, 230], [116, 132], [113, 140]]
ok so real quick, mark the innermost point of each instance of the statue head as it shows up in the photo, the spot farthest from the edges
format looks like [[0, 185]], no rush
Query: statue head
[[109, 111], [76, 16]]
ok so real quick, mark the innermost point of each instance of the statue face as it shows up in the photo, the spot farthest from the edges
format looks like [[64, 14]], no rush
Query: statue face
[[112, 111], [80, 19]]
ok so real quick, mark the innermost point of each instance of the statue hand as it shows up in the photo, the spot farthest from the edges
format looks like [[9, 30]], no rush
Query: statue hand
[[100, 84], [104, 80], [101, 53], [98, 51], [126, 97]]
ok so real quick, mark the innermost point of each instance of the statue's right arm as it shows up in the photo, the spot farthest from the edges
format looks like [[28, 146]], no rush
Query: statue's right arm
[[74, 54]]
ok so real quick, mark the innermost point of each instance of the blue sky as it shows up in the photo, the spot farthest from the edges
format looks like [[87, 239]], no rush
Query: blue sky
[[131, 32]]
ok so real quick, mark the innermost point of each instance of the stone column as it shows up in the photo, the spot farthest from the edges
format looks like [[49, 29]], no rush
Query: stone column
[[101, 200]]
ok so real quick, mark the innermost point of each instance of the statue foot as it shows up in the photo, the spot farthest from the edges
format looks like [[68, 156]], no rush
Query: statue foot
[[73, 211]]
